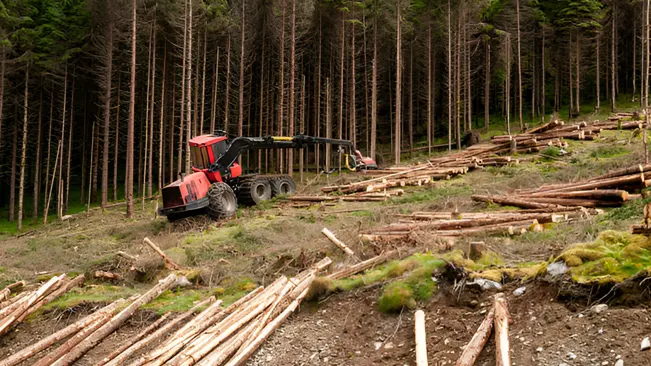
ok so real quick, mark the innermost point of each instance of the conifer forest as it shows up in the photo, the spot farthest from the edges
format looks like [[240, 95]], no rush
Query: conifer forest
[[98, 98]]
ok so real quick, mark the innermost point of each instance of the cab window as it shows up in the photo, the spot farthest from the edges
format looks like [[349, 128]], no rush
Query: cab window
[[199, 157]]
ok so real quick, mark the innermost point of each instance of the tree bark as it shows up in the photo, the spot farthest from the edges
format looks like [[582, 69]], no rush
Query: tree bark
[[449, 77], [2, 89], [213, 110], [613, 62], [517, 6], [502, 319], [161, 125], [188, 85], [132, 116], [421, 338], [179, 161], [12, 184], [116, 147], [107, 102], [37, 171], [398, 139], [328, 123], [63, 135], [353, 118], [476, 344], [49, 195], [598, 74], [72, 120], [292, 90], [227, 94], [373, 91], [281, 85], [23, 154], [342, 66], [203, 82], [487, 86], [150, 158], [240, 122], [429, 88]]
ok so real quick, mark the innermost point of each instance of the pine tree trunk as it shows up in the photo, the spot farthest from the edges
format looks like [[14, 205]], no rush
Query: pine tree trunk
[[411, 98], [107, 103], [161, 125], [366, 101], [49, 180], [648, 59], [570, 67], [542, 94], [598, 74], [328, 123], [353, 75], [195, 103], [12, 184], [301, 152], [132, 116], [578, 75], [429, 88], [634, 56], [2, 89], [317, 120], [23, 154], [151, 118], [281, 85], [179, 159], [203, 82], [262, 100], [143, 161], [398, 139], [458, 85], [72, 120], [613, 66], [487, 86], [213, 109], [517, 5], [172, 125], [63, 135], [227, 94], [507, 99], [115, 147], [188, 92], [240, 121], [49, 194], [373, 92], [468, 83], [449, 77], [292, 90], [342, 66], [37, 171]]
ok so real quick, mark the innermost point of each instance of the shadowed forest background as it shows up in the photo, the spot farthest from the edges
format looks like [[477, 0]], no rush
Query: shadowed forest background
[[98, 97]]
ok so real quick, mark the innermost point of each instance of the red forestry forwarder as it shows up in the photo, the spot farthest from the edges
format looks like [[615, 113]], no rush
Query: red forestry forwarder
[[217, 184]]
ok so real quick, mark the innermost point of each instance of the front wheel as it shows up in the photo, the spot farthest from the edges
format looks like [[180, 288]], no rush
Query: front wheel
[[223, 203]]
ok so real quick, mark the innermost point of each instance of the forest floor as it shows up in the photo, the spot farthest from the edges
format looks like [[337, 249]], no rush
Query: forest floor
[[228, 258]]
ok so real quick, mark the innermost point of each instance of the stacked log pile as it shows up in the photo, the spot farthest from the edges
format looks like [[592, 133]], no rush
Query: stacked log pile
[[219, 336], [455, 224], [539, 137], [607, 190], [17, 308]]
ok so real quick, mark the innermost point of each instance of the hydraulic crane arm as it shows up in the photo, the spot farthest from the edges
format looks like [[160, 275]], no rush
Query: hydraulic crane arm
[[239, 145]]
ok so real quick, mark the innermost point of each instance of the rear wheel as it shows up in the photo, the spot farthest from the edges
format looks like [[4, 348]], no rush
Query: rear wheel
[[282, 185], [254, 190], [223, 203]]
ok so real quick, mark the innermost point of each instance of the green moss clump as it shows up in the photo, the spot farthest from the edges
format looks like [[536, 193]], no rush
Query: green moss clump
[[396, 296], [614, 257]]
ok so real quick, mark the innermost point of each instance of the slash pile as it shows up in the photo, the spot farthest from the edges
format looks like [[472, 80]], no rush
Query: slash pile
[[607, 190], [455, 224], [17, 308]]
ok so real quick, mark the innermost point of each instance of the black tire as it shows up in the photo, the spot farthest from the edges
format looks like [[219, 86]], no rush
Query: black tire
[[254, 190], [223, 203], [282, 185]]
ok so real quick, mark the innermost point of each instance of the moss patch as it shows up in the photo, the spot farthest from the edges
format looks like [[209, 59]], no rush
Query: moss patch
[[614, 257]]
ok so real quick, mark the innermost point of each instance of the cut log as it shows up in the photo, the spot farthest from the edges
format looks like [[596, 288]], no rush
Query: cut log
[[23, 306], [108, 275], [243, 354], [62, 334], [161, 332], [545, 127], [378, 179], [169, 263], [600, 194], [115, 322], [220, 354], [6, 292], [513, 202], [502, 319], [338, 243], [362, 266], [627, 180], [573, 202], [13, 303], [478, 341], [421, 338], [53, 295], [641, 230], [66, 347], [131, 341]]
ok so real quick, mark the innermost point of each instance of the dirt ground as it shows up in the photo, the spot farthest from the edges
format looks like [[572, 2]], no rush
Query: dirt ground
[[347, 328]]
